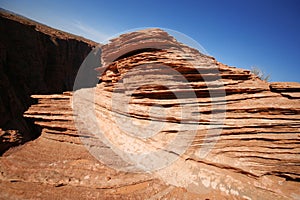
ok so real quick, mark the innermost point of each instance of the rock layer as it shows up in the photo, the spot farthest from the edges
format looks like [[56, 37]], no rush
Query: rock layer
[[191, 127], [34, 59]]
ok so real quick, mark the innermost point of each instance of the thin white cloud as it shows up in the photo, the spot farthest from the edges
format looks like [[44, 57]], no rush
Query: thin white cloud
[[89, 32]]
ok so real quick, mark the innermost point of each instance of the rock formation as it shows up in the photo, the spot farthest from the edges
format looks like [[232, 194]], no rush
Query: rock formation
[[164, 122], [34, 59]]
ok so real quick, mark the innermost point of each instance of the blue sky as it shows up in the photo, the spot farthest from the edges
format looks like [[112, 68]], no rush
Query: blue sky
[[241, 33]]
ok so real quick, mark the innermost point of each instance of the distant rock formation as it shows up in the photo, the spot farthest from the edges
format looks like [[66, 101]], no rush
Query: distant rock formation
[[164, 122], [34, 59]]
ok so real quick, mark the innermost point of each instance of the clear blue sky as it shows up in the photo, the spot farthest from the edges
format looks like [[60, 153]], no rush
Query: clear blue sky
[[241, 33]]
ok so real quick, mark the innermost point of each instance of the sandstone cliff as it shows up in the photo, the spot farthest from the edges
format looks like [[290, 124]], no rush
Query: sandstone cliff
[[164, 122], [34, 59]]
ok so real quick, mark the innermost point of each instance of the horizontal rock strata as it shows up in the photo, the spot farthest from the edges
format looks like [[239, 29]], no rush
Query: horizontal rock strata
[[289, 90], [165, 121]]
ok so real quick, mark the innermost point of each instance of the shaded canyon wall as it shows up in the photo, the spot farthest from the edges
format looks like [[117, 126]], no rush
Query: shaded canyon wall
[[34, 59]]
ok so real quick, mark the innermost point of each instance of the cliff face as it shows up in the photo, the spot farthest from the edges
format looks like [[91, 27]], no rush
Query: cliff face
[[34, 59], [192, 127]]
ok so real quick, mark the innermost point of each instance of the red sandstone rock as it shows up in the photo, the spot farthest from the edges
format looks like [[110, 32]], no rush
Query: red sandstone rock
[[241, 134]]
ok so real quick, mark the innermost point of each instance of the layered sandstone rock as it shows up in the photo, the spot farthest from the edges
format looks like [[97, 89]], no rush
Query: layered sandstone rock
[[9, 138], [34, 59], [165, 121], [289, 90]]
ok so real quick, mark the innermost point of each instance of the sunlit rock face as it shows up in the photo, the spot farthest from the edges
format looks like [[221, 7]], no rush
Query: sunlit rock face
[[165, 121]]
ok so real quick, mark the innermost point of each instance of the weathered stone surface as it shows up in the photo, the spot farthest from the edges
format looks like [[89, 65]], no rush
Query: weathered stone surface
[[9, 138], [290, 89], [34, 59], [58, 165], [235, 138]]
